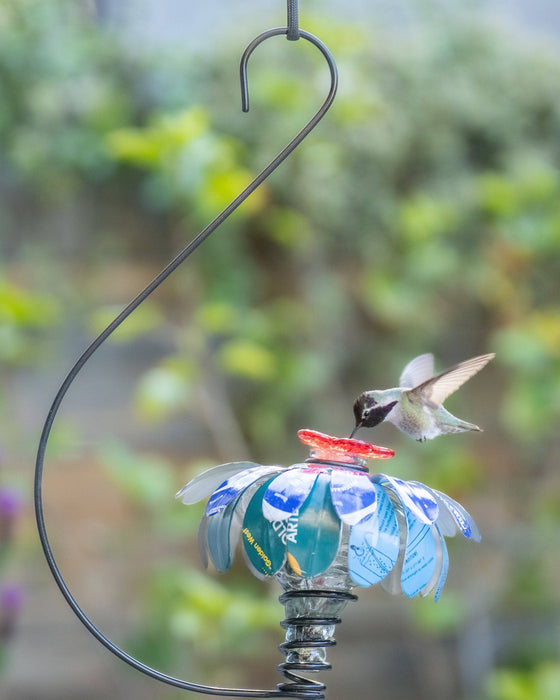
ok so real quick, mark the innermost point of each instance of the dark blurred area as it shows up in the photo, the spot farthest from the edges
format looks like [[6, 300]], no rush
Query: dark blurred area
[[422, 215]]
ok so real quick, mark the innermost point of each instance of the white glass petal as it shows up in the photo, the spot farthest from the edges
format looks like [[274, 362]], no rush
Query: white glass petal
[[204, 484]]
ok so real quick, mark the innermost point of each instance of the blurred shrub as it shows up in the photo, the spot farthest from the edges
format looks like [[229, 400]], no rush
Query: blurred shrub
[[541, 683], [182, 608]]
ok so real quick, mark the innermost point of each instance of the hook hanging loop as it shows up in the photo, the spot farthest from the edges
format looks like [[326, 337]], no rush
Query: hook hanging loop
[[293, 27], [326, 104], [298, 692]]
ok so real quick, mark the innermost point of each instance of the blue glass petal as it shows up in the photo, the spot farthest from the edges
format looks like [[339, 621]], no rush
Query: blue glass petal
[[233, 486], [444, 564], [353, 495], [464, 520], [373, 547], [441, 564], [287, 492], [415, 496], [445, 522], [419, 557]]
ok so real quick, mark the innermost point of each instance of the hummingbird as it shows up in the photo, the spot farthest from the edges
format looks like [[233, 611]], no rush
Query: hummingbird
[[415, 406]]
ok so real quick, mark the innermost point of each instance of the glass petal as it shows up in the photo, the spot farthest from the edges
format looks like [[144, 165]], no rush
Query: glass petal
[[373, 548], [262, 542], [444, 564], [314, 544], [203, 484], [287, 492], [439, 562], [233, 486], [202, 541], [221, 540], [445, 522], [415, 496], [353, 495], [419, 557], [462, 518], [224, 528]]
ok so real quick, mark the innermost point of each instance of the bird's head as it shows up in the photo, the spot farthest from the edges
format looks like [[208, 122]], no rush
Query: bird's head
[[369, 411]]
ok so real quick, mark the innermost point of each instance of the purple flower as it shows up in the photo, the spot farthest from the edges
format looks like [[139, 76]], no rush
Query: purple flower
[[11, 502], [12, 597], [11, 601]]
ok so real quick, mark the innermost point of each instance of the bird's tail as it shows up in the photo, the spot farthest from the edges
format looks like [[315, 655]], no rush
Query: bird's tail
[[462, 426]]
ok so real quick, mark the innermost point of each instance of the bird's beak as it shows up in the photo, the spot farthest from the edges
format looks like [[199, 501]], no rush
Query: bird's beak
[[356, 428]]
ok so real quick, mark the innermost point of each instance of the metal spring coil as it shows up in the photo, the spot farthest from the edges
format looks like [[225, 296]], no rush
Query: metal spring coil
[[299, 686]]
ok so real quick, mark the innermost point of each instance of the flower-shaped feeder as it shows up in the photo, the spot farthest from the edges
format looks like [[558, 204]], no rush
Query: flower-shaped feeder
[[321, 528]]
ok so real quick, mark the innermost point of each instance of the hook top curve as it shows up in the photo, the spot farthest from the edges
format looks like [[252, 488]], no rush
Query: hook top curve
[[302, 34]]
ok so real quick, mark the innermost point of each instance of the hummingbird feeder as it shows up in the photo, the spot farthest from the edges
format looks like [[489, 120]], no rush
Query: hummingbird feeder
[[320, 528]]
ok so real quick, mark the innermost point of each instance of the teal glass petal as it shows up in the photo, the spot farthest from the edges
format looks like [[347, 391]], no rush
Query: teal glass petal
[[262, 542], [314, 544]]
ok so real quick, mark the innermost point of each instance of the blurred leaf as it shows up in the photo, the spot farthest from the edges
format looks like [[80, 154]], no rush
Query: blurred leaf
[[192, 607], [218, 317], [441, 618], [147, 480], [150, 147], [144, 320], [165, 389], [422, 218], [498, 194], [289, 228], [244, 358], [541, 683], [222, 187], [22, 308]]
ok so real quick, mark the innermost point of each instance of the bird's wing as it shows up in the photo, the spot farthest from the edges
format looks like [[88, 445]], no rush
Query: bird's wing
[[437, 389], [418, 370]]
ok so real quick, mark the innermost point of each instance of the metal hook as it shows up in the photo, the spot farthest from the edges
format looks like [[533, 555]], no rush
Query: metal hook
[[104, 335], [332, 66]]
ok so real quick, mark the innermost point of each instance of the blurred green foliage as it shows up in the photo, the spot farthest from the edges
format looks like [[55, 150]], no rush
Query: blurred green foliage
[[185, 612], [541, 683], [423, 214], [23, 315]]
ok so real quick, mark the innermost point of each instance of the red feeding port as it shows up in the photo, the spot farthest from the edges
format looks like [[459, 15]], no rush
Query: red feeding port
[[341, 449]]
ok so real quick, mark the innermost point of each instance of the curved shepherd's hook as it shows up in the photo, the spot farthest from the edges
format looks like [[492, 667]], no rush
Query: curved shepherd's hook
[[181, 257]]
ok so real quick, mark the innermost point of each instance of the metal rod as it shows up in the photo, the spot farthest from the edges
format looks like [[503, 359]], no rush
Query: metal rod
[[105, 334]]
